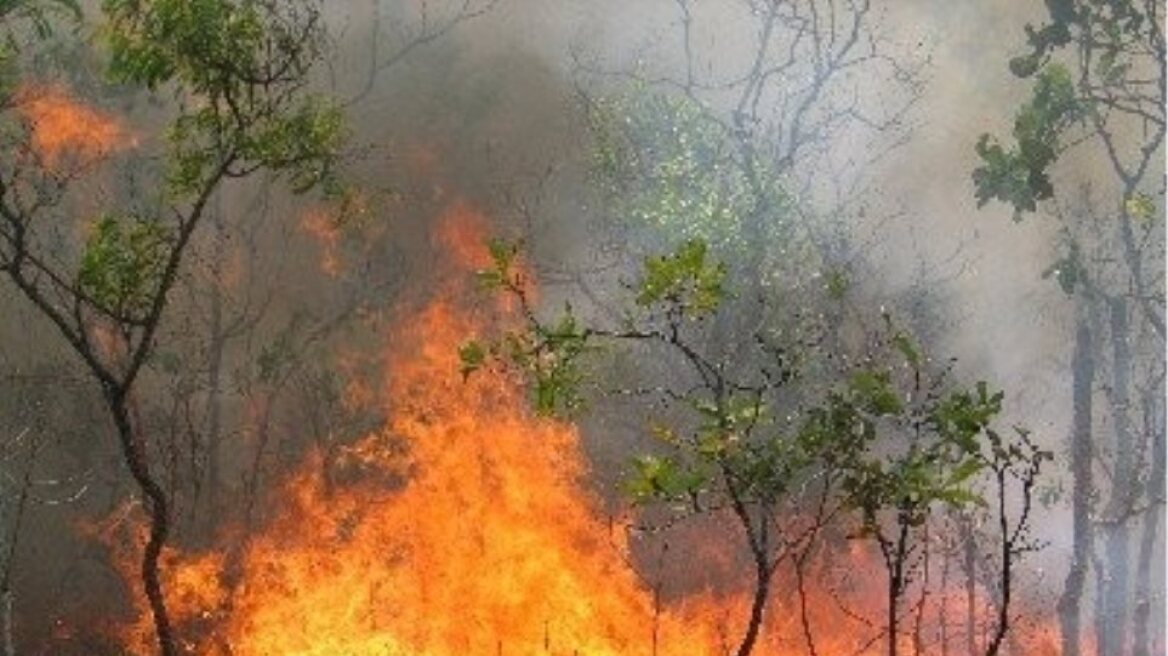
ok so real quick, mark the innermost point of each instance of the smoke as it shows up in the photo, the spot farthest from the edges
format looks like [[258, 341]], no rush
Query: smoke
[[488, 113]]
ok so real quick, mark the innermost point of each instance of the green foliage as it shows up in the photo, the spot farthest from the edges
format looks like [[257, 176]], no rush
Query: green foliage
[[908, 349], [555, 365], [210, 47], [1117, 37], [1068, 270], [884, 445], [243, 63], [122, 265], [963, 415], [1020, 175], [503, 255], [940, 465], [548, 353], [685, 280], [872, 391], [471, 356], [666, 165], [663, 479], [1141, 207]]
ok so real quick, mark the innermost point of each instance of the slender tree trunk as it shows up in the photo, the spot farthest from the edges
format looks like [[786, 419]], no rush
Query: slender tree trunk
[[1151, 550], [6, 642], [158, 507], [1002, 625], [895, 554], [970, 566], [943, 614], [9, 644], [1083, 379], [1117, 557], [215, 355], [758, 541], [919, 622], [762, 584]]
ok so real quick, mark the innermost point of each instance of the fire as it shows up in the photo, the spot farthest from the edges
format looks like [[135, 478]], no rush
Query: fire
[[476, 537], [463, 527], [322, 226], [61, 126]]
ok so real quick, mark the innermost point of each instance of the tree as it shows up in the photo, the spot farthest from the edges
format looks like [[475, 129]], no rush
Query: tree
[[854, 454], [239, 71], [739, 151], [1099, 74]]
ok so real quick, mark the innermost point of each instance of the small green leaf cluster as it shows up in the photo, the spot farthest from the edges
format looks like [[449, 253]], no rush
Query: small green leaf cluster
[[950, 444], [733, 450], [1068, 270], [500, 275], [547, 353], [122, 265], [684, 279], [1020, 175], [554, 362], [1141, 207], [658, 478]]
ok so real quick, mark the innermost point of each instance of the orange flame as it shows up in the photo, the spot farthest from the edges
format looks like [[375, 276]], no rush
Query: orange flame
[[322, 226], [465, 529], [61, 126]]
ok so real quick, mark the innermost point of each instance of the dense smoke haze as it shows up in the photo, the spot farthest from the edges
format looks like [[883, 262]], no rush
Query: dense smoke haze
[[566, 327]]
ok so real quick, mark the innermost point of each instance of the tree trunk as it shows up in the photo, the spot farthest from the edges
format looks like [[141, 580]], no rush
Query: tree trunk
[[1117, 556], [969, 564], [1151, 551], [6, 648], [1005, 584], [757, 608], [758, 541], [895, 555], [157, 505], [215, 356], [1083, 378], [8, 645]]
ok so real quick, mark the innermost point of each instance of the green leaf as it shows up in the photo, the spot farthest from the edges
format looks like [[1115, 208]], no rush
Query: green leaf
[[1140, 207], [1020, 176], [683, 279], [122, 265], [874, 392], [471, 356], [662, 478]]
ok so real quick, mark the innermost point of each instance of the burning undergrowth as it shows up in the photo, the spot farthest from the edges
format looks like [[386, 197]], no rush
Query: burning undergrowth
[[465, 525], [63, 130]]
